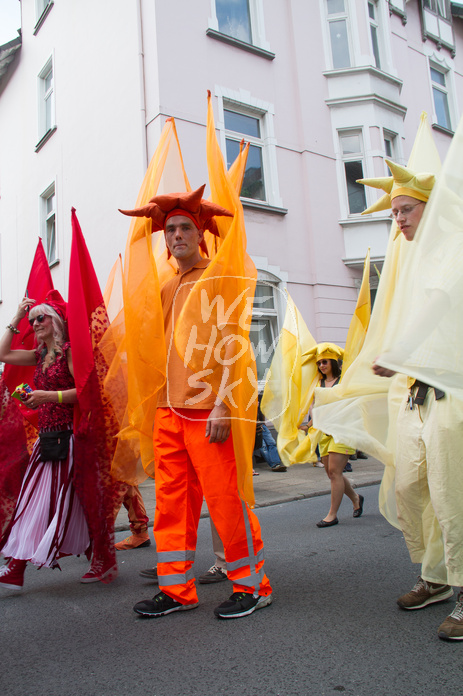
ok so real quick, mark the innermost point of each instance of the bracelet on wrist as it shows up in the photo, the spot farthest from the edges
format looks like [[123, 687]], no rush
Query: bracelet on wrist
[[60, 397], [13, 329]]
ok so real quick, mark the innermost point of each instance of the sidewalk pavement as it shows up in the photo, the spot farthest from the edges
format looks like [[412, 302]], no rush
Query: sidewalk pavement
[[272, 488]]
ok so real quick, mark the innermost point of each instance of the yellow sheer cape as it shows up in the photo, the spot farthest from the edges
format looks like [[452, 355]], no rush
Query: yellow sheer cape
[[289, 388], [362, 411], [293, 376]]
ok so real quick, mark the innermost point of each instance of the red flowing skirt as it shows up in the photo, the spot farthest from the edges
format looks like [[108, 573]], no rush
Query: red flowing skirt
[[48, 521]]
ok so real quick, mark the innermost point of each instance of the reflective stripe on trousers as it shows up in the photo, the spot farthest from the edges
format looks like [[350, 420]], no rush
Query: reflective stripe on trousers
[[188, 466]]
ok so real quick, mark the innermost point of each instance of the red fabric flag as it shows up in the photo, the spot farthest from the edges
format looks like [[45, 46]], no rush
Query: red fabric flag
[[38, 285], [85, 301], [95, 428], [15, 432]]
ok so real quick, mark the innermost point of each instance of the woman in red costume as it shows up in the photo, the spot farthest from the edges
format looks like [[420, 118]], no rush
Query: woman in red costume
[[49, 520]]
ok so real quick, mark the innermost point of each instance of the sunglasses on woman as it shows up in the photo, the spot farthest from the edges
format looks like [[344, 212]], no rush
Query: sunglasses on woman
[[40, 318], [323, 362]]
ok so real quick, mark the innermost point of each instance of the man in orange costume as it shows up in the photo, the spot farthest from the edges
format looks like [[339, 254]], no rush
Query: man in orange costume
[[193, 444]]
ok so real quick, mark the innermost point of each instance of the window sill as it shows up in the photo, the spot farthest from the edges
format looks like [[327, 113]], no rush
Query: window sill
[[225, 38], [43, 17], [45, 138], [265, 207], [442, 129]]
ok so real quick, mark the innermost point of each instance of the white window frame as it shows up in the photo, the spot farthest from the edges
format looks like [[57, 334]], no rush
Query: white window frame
[[441, 8], [243, 102], [354, 157], [263, 317], [46, 97], [392, 139], [256, 12], [446, 89], [271, 317], [338, 17], [42, 9], [375, 27], [47, 222]]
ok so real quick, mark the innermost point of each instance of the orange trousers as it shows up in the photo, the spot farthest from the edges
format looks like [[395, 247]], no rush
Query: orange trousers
[[187, 468]]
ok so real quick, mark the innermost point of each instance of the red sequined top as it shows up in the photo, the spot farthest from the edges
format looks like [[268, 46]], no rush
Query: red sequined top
[[54, 416]]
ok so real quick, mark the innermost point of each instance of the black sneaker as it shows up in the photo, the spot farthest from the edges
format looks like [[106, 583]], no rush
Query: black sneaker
[[214, 574], [160, 605], [347, 468], [241, 604], [150, 574]]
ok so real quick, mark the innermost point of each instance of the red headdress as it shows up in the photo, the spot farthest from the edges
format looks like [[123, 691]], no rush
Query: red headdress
[[56, 302], [191, 204]]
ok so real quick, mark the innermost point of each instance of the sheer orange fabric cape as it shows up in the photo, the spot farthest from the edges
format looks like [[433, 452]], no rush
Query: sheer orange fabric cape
[[135, 342]]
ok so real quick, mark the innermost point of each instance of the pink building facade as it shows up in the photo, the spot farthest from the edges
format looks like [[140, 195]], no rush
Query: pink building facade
[[323, 90]]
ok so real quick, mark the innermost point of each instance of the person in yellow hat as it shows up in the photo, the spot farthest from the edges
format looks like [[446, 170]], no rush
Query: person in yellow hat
[[334, 456], [429, 436]]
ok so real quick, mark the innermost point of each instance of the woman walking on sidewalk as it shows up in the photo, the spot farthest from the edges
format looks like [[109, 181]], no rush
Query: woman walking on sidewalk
[[334, 456]]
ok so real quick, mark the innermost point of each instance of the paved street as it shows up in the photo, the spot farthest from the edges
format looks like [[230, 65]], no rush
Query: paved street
[[270, 487], [333, 627]]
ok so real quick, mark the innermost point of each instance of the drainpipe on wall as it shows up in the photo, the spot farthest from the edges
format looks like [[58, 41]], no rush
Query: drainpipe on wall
[[141, 63]]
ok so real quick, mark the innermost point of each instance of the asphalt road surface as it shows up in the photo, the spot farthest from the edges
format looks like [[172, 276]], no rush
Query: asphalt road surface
[[333, 628]]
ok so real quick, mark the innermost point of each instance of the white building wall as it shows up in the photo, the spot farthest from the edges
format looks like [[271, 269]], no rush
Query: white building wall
[[95, 156]]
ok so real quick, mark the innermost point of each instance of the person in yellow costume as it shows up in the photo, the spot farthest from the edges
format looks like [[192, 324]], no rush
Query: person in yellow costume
[[334, 455], [429, 430]]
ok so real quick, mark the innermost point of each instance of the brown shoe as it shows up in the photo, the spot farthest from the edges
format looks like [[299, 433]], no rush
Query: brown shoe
[[134, 541], [424, 593], [452, 627]]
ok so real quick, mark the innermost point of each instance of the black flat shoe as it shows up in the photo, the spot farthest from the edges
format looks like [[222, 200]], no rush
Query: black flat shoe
[[322, 523], [358, 511]]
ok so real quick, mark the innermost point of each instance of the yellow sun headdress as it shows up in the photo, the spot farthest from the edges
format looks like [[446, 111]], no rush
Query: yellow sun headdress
[[403, 182], [327, 351]]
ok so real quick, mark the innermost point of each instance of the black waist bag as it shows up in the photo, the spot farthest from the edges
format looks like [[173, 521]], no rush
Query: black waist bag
[[54, 445]]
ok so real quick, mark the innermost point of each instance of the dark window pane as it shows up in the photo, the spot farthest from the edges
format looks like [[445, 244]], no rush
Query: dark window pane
[[355, 192], [234, 19], [438, 77], [262, 339], [374, 41], [240, 123], [263, 298], [442, 108], [339, 44], [253, 181], [233, 149]]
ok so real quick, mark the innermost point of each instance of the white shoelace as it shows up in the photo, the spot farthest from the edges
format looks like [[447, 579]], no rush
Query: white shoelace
[[420, 585], [457, 613]]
